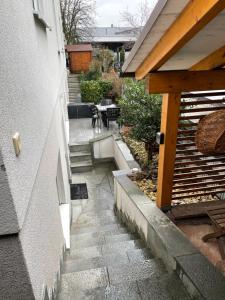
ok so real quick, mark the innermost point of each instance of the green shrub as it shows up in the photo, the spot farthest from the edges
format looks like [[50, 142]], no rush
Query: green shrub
[[130, 102], [141, 111], [91, 91], [106, 87]]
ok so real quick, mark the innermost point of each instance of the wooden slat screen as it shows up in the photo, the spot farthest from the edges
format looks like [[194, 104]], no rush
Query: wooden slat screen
[[196, 174]]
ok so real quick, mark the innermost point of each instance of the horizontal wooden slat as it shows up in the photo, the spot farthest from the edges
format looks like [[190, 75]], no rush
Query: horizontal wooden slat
[[199, 184], [185, 145], [187, 151], [195, 209], [217, 211], [198, 179], [199, 95], [210, 167], [200, 162], [218, 191], [202, 102], [197, 173], [186, 138], [197, 189], [186, 132], [200, 109], [193, 156], [185, 124], [191, 117]]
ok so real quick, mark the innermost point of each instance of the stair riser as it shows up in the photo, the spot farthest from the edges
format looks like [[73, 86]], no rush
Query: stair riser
[[74, 90], [81, 169], [72, 81], [75, 159], [78, 148]]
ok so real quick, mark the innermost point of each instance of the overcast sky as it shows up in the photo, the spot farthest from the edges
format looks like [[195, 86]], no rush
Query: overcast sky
[[109, 11]]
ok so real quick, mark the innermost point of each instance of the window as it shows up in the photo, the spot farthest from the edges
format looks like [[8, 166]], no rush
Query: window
[[40, 12]]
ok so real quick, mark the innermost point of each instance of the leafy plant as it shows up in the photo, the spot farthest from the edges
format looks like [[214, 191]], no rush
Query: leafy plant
[[130, 102], [91, 91], [143, 112], [106, 87], [147, 122]]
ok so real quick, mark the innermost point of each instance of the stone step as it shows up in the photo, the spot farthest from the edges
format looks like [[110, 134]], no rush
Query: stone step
[[75, 95], [168, 287], [76, 265], [80, 167], [73, 81], [86, 221], [79, 147], [137, 255], [112, 292], [110, 231], [80, 156], [74, 86], [103, 250], [74, 91], [100, 240], [96, 229], [112, 275]]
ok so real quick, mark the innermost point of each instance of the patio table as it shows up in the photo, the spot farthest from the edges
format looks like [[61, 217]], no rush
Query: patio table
[[102, 109]]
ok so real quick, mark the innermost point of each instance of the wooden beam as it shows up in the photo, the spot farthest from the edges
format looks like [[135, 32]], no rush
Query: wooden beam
[[196, 15], [167, 151], [186, 81], [213, 61]]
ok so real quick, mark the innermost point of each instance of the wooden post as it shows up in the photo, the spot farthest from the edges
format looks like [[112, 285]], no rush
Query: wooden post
[[167, 152]]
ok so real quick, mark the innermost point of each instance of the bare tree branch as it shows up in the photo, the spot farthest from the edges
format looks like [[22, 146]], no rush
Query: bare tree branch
[[77, 18], [137, 20]]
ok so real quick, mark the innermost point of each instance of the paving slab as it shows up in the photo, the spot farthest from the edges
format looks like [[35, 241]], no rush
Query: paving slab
[[91, 229], [85, 220], [123, 291], [91, 294], [119, 238], [168, 287], [95, 262], [84, 280], [121, 247], [139, 255], [85, 253], [207, 279], [135, 271]]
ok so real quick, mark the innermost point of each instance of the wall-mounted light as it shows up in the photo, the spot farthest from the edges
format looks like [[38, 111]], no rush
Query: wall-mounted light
[[17, 143]]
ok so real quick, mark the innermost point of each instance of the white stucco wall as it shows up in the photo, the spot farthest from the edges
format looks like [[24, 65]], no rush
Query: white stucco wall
[[33, 95]]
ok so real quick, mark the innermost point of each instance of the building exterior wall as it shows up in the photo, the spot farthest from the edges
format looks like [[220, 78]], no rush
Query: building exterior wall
[[33, 96]]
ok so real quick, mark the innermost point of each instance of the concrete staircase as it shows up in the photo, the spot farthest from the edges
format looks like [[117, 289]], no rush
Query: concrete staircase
[[106, 261], [80, 158], [74, 88]]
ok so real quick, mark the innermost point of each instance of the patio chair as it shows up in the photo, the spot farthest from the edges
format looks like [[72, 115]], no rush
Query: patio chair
[[217, 217], [95, 116], [112, 114]]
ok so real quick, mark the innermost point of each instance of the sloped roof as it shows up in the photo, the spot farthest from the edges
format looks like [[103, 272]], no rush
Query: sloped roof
[[78, 48], [210, 38], [112, 34]]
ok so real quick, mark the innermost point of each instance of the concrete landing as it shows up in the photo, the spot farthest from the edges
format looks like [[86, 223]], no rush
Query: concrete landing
[[106, 261]]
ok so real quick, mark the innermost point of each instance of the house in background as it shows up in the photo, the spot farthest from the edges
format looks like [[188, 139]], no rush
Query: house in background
[[113, 38], [34, 176]]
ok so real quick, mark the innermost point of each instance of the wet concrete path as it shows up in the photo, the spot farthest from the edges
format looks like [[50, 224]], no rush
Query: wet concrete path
[[106, 261]]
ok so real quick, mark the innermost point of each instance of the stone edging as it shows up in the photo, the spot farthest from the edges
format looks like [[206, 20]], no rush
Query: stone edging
[[200, 277]]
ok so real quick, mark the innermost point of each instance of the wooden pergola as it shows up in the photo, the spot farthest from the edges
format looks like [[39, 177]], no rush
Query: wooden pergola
[[181, 49]]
